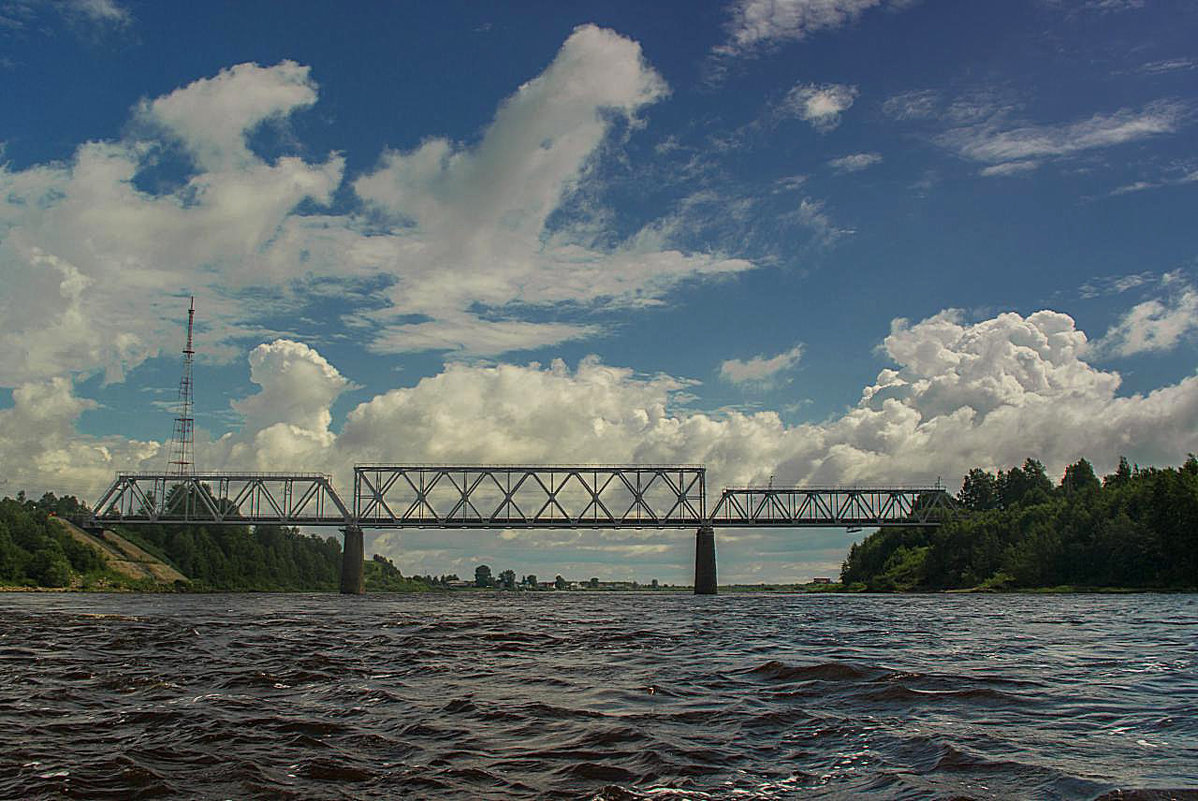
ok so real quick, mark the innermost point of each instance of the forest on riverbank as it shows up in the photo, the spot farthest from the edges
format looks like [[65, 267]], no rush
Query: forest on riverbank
[[36, 550], [1136, 528]]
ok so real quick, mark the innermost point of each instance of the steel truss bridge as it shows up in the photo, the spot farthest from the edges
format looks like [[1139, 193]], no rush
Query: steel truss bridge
[[508, 497]]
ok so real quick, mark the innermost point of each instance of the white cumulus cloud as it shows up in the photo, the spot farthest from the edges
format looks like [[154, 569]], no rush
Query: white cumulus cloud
[[819, 104], [97, 251], [1157, 324], [472, 224], [956, 395], [94, 266], [760, 368]]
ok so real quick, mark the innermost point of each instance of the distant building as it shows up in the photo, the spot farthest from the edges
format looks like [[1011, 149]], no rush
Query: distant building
[[821, 580]]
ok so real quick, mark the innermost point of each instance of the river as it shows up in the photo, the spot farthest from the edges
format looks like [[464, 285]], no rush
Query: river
[[597, 695]]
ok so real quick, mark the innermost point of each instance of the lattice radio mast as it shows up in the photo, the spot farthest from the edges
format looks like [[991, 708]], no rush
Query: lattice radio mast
[[183, 438]]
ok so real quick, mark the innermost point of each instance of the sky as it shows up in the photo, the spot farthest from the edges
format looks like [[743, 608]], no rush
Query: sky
[[808, 241]]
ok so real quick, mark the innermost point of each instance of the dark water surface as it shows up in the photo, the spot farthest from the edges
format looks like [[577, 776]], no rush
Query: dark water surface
[[614, 696]]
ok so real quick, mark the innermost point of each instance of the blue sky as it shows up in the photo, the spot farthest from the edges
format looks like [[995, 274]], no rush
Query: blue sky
[[847, 241]]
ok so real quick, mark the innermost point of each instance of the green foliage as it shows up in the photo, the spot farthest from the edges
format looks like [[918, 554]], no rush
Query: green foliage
[[979, 491], [35, 551], [383, 576], [1135, 528], [482, 576], [241, 558]]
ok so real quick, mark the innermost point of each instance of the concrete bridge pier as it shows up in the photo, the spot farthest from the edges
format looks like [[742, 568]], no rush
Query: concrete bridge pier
[[352, 556], [705, 561]]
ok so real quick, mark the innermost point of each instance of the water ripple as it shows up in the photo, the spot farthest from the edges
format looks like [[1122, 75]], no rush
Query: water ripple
[[603, 696]]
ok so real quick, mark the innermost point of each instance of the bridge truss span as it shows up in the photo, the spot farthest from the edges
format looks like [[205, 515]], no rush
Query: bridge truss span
[[292, 499], [832, 507], [529, 496]]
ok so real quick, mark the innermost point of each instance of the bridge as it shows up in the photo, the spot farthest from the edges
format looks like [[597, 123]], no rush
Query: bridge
[[388, 496]]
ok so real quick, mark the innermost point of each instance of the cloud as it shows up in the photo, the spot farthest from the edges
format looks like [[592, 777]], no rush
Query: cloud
[[914, 105], [87, 17], [1115, 285], [480, 249], [760, 368], [1010, 168], [811, 215], [1168, 65], [1112, 5], [956, 395], [1187, 175], [995, 142], [855, 162], [212, 116], [1155, 325], [760, 23], [40, 448], [819, 104], [93, 265], [473, 225], [101, 12]]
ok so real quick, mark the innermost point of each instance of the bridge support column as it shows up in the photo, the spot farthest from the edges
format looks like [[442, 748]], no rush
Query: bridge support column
[[705, 561], [352, 555]]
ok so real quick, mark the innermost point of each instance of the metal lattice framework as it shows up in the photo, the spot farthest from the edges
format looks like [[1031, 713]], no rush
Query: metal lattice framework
[[508, 496], [529, 496], [223, 498], [832, 507]]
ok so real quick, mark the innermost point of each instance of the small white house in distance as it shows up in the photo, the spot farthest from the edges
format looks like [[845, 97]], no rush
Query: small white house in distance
[[821, 580]]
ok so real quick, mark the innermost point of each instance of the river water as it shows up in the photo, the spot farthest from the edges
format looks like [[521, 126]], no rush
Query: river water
[[597, 695]]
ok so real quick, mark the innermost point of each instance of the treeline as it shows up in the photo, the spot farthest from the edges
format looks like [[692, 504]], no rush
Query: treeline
[[381, 575], [37, 552], [1135, 528], [244, 558]]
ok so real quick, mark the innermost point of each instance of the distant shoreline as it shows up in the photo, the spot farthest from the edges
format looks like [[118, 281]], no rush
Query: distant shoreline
[[733, 589]]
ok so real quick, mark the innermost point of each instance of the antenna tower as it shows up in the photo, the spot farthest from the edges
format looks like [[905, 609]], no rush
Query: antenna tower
[[183, 438]]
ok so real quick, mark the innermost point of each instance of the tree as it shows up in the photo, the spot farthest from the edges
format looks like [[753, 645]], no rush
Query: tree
[[979, 491], [1121, 476], [531, 580], [1024, 486], [482, 576], [50, 568], [507, 579], [594, 582], [1079, 477], [559, 583]]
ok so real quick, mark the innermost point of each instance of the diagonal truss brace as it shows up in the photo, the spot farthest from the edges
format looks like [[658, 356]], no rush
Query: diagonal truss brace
[[223, 499], [832, 507], [529, 496]]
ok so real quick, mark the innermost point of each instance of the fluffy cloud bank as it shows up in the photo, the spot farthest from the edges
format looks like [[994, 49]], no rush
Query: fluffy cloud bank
[[474, 223], [471, 244], [958, 395], [93, 265]]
